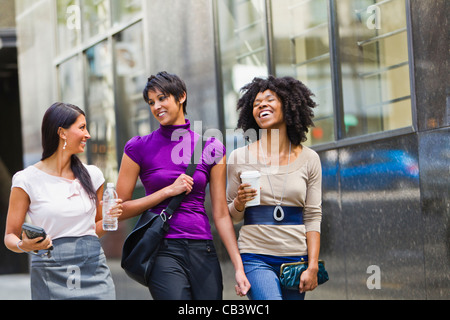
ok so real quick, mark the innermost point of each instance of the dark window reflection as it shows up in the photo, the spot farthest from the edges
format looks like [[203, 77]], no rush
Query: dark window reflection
[[101, 115], [133, 112], [382, 169]]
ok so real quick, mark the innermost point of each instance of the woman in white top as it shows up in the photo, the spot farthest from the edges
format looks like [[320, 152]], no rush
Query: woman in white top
[[61, 195]]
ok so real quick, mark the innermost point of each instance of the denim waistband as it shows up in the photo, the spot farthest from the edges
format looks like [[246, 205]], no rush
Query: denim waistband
[[266, 215], [272, 260]]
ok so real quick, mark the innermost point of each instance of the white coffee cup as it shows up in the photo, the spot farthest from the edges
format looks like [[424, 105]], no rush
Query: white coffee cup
[[252, 178]]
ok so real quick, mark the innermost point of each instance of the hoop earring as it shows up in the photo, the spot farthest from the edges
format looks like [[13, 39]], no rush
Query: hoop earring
[[65, 144]]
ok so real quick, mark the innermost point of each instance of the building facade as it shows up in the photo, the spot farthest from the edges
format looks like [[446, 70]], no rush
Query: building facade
[[379, 71], [10, 134]]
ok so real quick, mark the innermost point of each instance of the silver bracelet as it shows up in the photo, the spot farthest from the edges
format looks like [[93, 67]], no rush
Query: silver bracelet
[[17, 244], [33, 253]]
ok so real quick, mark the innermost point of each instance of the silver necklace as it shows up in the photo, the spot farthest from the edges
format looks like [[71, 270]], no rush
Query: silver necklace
[[278, 212]]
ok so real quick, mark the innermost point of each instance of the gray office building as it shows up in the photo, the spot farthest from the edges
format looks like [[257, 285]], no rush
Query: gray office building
[[378, 69]]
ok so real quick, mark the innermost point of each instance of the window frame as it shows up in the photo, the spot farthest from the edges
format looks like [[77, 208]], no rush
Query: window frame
[[341, 140], [87, 43], [336, 77]]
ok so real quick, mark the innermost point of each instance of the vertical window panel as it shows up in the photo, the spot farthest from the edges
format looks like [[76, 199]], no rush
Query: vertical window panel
[[243, 46], [101, 114], [71, 81], [125, 10], [133, 114], [300, 27], [70, 76], [375, 67], [95, 17], [68, 27]]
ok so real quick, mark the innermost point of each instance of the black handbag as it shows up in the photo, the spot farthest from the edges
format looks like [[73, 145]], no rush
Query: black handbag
[[141, 246]]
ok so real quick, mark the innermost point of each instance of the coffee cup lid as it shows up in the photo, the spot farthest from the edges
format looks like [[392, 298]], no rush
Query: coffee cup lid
[[250, 174]]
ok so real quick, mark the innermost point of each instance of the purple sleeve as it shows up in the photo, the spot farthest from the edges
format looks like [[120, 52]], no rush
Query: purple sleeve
[[214, 151], [133, 149]]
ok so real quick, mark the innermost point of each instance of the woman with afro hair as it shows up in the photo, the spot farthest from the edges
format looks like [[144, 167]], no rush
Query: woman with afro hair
[[285, 226]]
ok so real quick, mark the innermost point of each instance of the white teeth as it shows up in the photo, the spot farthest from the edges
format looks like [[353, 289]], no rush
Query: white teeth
[[264, 113], [161, 114]]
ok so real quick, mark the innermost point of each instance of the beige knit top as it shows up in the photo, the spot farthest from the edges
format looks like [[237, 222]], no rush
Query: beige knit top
[[303, 189]]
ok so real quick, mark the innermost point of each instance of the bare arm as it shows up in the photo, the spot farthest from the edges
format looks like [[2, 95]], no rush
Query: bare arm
[[237, 194], [99, 215], [128, 174], [224, 224], [312, 218], [308, 280], [19, 202]]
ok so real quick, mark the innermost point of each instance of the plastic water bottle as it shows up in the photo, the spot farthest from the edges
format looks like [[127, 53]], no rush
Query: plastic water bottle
[[109, 200]]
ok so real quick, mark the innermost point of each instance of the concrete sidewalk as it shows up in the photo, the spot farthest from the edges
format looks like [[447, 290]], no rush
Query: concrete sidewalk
[[17, 286]]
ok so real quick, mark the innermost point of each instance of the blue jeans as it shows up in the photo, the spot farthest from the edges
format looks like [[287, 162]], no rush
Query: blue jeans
[[265, 282]]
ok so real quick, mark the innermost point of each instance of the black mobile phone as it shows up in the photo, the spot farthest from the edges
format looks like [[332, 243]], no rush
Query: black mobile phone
[[33, 232]]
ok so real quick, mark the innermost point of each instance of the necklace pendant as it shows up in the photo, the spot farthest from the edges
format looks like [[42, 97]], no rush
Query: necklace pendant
[[278, 213]]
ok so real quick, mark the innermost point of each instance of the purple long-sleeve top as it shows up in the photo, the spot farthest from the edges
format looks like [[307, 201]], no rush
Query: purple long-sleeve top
[[161, 162]]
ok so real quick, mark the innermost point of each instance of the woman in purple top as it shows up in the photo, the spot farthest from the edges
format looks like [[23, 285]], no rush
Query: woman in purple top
[[186, 266]]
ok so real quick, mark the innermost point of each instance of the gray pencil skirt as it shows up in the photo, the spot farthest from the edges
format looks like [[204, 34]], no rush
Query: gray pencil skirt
[[76, 269]]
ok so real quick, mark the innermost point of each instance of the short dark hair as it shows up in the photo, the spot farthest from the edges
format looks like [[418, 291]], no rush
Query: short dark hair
[[296, 100], [168, 84]]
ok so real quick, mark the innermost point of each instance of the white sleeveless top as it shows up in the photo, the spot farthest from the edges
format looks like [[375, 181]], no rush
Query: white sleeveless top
[[59, 205]]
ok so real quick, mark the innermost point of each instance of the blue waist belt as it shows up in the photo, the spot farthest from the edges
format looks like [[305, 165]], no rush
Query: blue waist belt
[[266, 215]]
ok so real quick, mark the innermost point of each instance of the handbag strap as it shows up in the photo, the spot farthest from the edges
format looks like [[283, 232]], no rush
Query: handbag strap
[[176, 200]]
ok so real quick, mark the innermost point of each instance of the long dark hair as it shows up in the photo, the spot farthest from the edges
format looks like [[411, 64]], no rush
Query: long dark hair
[[63, 115], [297, 104]]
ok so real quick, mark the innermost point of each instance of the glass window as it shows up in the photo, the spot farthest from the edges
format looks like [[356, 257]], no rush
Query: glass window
[[68, 24], [125, 10], [70, 78], [22, 6], [374, 65], [133, 114], [243, 49], [101, 115], [371, 74], [71, 82], [95, 17], [301, 50]]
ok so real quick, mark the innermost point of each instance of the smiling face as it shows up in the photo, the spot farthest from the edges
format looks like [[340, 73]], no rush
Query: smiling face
[[165, 108], [76, 135], [268, 110]]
